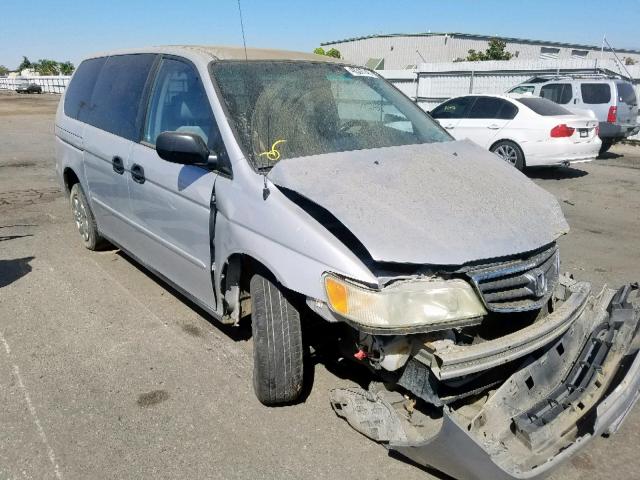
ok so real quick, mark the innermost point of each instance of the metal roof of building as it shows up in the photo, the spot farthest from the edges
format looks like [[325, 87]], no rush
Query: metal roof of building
[[481, 37]]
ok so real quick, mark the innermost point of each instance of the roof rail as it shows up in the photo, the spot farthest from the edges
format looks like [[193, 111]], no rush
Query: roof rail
[[571, 76]]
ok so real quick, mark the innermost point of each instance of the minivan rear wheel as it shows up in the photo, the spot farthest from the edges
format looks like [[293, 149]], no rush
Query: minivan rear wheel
[[84, 219], [277, 343], [509, 152]]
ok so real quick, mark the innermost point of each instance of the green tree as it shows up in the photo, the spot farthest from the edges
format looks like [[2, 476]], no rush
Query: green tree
[[495, 51], [3, 70], [333, 53], [329, 53], [25, 64], [66, 68], [45, 66]]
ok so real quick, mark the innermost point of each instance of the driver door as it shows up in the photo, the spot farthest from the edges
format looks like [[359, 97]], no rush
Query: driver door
[[171, 203]]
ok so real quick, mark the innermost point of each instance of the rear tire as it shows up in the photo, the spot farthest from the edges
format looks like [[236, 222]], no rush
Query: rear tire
[[510, 152], [277, 343], [84, 219], [606, 145]]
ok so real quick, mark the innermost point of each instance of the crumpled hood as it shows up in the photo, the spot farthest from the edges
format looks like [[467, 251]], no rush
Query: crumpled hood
[[440, 203]]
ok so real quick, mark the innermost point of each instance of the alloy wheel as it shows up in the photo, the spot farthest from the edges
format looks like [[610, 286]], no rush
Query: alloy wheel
[[507, 153], [80, 217]]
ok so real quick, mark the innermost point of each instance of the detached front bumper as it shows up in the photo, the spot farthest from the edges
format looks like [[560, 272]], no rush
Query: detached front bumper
[[580, 385]]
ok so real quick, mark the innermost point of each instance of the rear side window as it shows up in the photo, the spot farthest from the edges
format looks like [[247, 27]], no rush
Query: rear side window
[[557, 92], [455, 108], [626, 93], [544, 107], [595, 93], [489, 107], [118, 92], [78, 95]]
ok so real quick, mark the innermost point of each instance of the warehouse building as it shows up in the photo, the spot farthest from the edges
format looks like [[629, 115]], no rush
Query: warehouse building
[[402, 51]]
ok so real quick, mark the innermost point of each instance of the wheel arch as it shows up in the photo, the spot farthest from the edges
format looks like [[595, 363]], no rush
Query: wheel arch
[[70, 178], [233, 283]]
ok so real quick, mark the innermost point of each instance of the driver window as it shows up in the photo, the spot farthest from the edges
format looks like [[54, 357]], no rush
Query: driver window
[[179, 103]]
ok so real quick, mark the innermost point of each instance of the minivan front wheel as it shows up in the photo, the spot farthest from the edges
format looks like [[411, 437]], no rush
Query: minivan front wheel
[[84, 219], [277, 343], [510, 153]]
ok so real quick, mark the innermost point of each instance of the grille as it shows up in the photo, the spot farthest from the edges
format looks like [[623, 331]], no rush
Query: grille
[[518, 285]]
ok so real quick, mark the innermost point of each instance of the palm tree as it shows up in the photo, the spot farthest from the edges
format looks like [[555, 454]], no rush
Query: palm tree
[[47, 67], [66, 68], [25, 64]]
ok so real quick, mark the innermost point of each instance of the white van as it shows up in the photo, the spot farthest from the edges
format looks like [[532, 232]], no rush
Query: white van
[[300, 190]]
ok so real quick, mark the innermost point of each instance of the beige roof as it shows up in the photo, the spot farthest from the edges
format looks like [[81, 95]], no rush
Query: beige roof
[[217, 52], [238, 53]]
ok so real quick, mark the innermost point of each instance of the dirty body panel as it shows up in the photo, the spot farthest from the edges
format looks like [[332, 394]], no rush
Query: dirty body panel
[[580, 385], [482, 207]]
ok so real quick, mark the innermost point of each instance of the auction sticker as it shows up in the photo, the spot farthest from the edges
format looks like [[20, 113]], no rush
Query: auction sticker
[[360, 72]]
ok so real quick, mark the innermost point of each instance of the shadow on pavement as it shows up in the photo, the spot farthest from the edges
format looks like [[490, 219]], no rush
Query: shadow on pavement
[[12, 270], [554, 173], [609, 156], [242, 332], [319, 338]]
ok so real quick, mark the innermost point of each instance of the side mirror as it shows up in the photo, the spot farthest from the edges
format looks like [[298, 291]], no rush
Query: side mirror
[[185, 148]]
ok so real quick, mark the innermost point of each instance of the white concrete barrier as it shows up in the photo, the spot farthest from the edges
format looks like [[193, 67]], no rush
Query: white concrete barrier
[[49, 83]]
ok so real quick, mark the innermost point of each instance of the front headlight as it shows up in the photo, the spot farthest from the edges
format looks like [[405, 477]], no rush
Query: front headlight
[[436, 303]]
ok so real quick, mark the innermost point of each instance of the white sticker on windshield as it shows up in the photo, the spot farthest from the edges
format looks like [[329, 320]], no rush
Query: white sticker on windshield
[[360, 72]]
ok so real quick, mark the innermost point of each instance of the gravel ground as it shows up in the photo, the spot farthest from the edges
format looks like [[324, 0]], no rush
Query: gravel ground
[[107, 373]]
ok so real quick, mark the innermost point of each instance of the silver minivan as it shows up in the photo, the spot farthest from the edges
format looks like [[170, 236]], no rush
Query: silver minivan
[[612, 99], [314, 198]]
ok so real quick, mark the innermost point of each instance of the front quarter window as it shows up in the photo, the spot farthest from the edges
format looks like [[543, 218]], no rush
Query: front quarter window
[[179, 103], [284, 110]]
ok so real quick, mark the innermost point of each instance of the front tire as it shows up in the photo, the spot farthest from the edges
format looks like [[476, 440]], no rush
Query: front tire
[[277, 343], [84, 219], [510, 152]]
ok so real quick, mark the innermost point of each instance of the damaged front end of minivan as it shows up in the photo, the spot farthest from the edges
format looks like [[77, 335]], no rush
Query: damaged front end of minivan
[[514, 406], [497, 368]]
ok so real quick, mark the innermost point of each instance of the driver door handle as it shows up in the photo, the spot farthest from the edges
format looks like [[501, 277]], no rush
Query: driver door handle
[[137, 173], [493, 126], [118, 165], [449, 127]]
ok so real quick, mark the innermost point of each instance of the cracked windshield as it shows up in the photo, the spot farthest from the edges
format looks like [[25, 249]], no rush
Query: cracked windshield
[[285, 110]]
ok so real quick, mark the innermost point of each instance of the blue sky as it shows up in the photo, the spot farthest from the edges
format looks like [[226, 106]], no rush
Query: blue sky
[[68, 30]]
